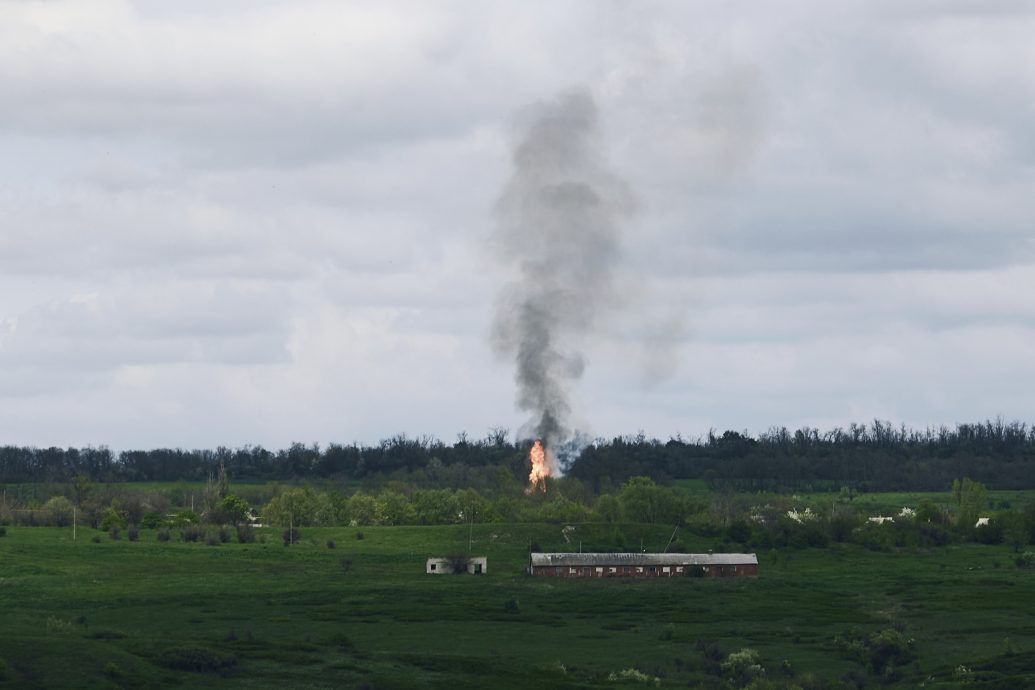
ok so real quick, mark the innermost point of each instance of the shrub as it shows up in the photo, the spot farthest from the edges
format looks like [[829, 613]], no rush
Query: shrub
[[883, 650], [712, 651], [114, 516], [511, 606], [185, 517], [359, 536], [163, 534], [992, 533], [632, 674], [210, 540], [245, 534], [191, 533], [151, 521], [96, 539], [330, 544], [739, 532], [60, 510], [742, 666], [115, 533], [132, 533], [231, 509], [3, 531], [196, 659], [291, 536], [112, 670], [224, 534], [889, 648]]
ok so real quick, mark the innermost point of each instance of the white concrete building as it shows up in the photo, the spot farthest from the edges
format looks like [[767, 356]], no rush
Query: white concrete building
[[476, 565]]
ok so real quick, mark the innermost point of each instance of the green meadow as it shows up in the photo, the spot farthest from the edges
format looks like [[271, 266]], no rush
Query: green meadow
[[360, 612]]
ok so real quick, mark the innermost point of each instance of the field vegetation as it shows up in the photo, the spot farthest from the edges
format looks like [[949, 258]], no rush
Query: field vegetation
[[196, 612], [316, 579]]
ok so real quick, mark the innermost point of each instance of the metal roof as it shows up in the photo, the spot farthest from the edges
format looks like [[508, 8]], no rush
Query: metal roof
[[642, 559]]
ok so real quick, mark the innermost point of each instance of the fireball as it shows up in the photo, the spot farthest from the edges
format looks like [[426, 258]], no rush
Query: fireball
[[540, 469]]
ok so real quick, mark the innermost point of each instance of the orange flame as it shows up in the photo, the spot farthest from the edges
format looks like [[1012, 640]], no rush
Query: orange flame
[[540, 470]]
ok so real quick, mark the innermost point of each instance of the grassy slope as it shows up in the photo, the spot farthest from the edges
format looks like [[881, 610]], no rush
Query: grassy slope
[[99, 615]]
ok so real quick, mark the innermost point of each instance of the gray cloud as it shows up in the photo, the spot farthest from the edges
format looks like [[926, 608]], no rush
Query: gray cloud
[[282, 201]]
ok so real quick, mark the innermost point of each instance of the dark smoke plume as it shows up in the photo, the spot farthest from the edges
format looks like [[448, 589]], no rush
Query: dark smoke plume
[[558, 229]]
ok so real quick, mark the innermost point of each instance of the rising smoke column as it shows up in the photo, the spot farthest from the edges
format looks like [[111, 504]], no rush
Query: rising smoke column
[[558, 229]]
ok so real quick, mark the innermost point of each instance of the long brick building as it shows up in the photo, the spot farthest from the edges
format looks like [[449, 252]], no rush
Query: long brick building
[[643, 565]]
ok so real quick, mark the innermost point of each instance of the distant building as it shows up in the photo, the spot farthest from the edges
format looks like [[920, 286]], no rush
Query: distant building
[[476, 565], [880, 519], [643, 565], [982, 522]]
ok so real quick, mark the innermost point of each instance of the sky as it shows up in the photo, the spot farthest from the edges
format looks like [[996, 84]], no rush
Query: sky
[[264, 222]]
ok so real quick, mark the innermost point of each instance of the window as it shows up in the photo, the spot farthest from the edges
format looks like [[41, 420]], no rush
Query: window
[[477, 568], [573, 571], [639, 569], [600, 570], [434, 566], [666, 569], [612, 570], [679, 568]]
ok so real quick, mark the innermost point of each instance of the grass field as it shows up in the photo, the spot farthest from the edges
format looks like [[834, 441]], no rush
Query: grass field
[[133, 614]]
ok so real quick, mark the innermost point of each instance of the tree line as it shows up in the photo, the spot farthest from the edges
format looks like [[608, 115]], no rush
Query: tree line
[[867, 457]]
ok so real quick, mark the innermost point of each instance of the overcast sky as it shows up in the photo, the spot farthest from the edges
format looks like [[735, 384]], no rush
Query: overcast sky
[[265, 222]]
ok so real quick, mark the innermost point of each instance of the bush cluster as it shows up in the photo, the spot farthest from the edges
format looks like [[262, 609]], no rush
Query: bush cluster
[[192, 533], [196, 659]]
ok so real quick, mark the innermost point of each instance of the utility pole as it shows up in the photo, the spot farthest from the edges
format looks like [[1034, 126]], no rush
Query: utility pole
[[73, 523]]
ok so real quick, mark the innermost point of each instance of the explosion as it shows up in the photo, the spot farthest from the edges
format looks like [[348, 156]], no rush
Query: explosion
[[540, 468], [558, 232]]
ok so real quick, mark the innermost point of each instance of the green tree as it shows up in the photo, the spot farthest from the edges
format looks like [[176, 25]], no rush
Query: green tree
[[471, 506], [644, 501], [360, 508], [82, 487], [392, 508], [231, 509], [434, 507], [59, 511], [970, 497], [1015, 532], [927, 512], [609, 508], [113, 516], [302, 508]]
